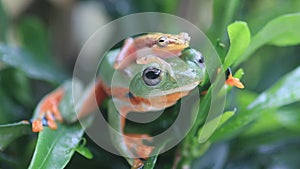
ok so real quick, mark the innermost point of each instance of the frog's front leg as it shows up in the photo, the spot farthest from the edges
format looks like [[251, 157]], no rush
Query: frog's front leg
[[48, 111]]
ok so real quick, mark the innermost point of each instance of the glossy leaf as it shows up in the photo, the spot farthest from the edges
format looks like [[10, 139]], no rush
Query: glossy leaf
[[55, 148], [284, 92], [239, 36], [85, 152], [10, 132], [225, 117], [220, 120], [29, 64], [281, 31]]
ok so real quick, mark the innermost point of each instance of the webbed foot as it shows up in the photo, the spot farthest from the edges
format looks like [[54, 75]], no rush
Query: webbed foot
[[137, 144], [48, 112]]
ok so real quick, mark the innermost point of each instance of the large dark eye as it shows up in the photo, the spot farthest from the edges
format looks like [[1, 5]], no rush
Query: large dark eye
[[162, 41], [151, 76], [199, 59]]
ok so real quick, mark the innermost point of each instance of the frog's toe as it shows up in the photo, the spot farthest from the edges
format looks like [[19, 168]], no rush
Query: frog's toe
[[37, 125], [137, 164], [51, 120], [52, 125], [46, 119]]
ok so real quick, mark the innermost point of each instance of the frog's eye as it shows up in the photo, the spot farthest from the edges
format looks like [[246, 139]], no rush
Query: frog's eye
[[199, 59], [162, 41], [151, 76]]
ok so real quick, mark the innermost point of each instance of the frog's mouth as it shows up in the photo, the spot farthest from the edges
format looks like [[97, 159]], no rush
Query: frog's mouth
[[182, 89]]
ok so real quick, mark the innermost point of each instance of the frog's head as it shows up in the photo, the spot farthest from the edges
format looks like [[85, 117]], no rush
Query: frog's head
[[160, 77], [173, 43]]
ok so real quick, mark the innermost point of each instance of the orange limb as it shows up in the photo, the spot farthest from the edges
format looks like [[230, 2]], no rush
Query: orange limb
[[49, 112], [126, 55], [137, 164], [96, 96], [135, 142], [37, 126], [135, 145]]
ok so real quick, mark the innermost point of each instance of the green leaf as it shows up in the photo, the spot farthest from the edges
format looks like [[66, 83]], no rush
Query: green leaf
[[284, 92], [281, 31], [84, 152], [29, 64], [55, 148], [10, 132], [239, 73], [81, 149], [225, 117], [239, 36], [220, 120]]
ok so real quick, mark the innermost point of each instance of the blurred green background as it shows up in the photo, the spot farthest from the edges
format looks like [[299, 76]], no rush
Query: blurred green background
[[54, 31]]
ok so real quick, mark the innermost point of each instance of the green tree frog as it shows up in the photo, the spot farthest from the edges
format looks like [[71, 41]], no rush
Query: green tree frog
[[151, 82]]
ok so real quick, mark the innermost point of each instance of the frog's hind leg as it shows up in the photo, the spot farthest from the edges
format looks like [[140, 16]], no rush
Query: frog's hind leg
[[131, 146], [137, 143]]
